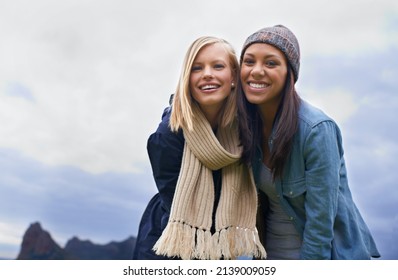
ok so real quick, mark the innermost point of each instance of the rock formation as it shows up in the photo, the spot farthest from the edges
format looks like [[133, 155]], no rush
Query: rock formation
[[86, 250], [37, 244]]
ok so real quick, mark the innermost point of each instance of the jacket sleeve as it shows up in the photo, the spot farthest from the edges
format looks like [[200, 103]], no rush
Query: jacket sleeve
[[322, 154], [165, 150]]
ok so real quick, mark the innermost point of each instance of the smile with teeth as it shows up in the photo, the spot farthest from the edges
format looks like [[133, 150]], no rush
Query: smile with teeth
[[257, 85], [208, 87]]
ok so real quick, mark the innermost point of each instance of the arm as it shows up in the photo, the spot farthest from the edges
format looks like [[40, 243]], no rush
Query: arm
[[322, 155], [165, 150]]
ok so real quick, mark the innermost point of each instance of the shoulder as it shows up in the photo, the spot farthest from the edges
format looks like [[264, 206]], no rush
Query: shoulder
[[165, 120], [163, 135], [316, 124], [312, 116]]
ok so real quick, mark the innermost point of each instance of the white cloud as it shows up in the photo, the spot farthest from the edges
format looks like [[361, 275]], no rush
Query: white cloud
[[385, 152], [92, 98], [338, 103], [10, 234]]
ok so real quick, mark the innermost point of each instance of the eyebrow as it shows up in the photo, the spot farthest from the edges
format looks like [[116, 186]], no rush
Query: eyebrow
[[266, 56], [213, 61]]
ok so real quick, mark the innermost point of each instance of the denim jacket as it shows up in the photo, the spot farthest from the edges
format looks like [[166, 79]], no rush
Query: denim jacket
[[314, 192]]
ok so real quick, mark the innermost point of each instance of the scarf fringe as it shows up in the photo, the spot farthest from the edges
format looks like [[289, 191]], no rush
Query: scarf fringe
[[187, 242]]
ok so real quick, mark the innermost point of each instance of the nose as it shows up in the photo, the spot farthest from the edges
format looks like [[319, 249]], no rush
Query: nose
[[207, 73], [258, 70]]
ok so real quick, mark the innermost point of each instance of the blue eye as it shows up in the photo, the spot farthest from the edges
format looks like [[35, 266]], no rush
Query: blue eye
[[196, 68], [219, 66]]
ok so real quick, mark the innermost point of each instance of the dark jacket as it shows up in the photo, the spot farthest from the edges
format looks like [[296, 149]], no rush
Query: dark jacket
[[165, 149]]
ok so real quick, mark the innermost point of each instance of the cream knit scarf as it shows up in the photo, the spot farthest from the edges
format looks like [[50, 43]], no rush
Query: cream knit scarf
[[187, 234]]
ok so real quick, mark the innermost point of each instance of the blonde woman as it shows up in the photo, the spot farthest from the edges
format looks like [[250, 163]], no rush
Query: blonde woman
[[206, 203]]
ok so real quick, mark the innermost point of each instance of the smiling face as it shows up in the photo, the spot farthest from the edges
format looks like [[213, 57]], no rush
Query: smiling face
[[263, 74], [211, 77]]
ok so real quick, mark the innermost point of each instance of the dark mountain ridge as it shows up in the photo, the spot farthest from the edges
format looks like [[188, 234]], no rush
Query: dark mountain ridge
[[37, 244]]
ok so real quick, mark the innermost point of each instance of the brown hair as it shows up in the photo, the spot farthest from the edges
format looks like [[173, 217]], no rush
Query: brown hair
[[284, 127]]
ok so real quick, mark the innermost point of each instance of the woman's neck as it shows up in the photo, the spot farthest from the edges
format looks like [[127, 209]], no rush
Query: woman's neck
[[212, 116], [267, 114]]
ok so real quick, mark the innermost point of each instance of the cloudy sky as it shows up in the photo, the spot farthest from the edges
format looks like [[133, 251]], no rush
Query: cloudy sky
[[83, 83]]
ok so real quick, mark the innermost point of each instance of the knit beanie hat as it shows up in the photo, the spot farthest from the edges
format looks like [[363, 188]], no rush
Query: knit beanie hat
[[280, 37]]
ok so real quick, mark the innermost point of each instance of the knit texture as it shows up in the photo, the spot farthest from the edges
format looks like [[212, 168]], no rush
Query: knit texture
[[282, 38], [187, 234]]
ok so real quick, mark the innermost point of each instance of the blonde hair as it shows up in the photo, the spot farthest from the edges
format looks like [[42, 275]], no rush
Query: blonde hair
[[181, 114]]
